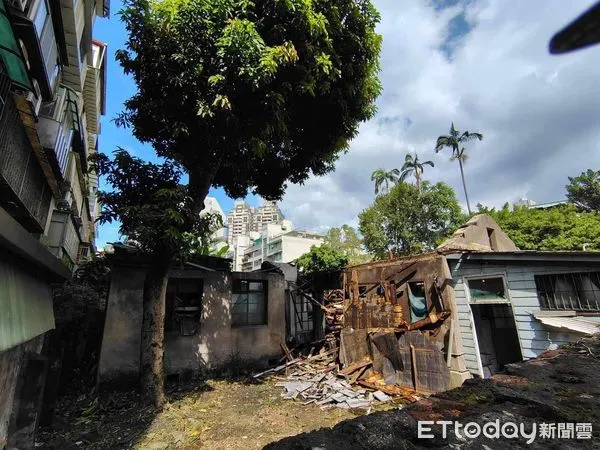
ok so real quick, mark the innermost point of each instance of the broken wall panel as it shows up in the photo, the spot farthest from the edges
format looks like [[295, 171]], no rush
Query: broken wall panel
[[379, 294], [405, 307]]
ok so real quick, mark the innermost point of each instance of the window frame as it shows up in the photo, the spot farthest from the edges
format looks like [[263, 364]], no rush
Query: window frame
[[471, 300], [576, 289], [175, 283], [237, 290]]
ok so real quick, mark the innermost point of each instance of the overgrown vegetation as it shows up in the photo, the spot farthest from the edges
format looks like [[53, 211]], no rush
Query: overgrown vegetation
[[564, 227], [79, 307]]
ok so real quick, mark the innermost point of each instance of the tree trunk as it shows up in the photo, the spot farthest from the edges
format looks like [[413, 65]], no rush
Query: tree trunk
[[462, 174], [418, 178], [153, 331], [200, 181]]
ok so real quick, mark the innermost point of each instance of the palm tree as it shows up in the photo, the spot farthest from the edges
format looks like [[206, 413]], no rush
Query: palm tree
[[412, 166], [383, 178], [454, 141]]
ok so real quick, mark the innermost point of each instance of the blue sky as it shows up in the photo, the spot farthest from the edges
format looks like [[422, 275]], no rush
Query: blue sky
[[483, 64]]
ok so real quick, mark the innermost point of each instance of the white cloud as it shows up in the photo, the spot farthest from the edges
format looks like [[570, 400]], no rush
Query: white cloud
[[538, 112]]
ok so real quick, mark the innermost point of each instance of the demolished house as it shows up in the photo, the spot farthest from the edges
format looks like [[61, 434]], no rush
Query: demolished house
[[431, 321]]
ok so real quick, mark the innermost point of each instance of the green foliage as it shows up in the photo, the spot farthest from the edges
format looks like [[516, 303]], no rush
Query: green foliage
[[346, 241], [455, 141], [321, 258], [413, 166], [564, 227], [382, 180], [154, 209], [84, 294], [584, 190], [407, 222], [250, 94]]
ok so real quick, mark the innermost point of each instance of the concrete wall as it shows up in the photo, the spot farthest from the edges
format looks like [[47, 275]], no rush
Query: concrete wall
[[480, 233], [11, 363], [214, 344], [293, 247], [534, 337]]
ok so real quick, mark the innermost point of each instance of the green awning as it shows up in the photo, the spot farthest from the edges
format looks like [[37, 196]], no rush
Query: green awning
[[10, 53]]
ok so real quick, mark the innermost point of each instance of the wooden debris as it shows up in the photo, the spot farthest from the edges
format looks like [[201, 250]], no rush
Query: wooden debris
[[354, 367]]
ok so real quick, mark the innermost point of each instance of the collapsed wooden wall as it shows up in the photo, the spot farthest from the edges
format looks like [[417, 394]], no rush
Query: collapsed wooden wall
[[378, 324]]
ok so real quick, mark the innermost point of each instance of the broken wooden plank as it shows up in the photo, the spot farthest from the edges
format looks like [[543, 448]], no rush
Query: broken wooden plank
[[354, 367], [287, 351]]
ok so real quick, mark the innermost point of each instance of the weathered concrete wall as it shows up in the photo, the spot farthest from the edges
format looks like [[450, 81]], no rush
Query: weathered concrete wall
[[214, 343], [11, 362], [120, 353], [480, 233]]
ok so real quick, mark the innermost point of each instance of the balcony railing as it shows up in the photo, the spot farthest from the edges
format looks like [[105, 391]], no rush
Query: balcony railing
[[25, 194]]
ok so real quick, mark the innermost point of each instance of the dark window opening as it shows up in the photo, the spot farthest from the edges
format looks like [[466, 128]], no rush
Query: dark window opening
[[569, 291], [417, 299], [183, 306], [486, 289], [492, 238], [249, 303]]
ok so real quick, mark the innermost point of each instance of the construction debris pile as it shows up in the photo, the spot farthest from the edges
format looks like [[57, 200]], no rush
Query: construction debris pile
[[319, 379]]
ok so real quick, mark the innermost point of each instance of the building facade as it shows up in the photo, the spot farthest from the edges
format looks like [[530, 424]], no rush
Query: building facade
[[52, 95], [277, 244], [243, 219]]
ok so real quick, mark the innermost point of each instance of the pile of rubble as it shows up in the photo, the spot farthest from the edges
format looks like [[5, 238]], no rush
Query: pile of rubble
[[327, 391], [319, 379]]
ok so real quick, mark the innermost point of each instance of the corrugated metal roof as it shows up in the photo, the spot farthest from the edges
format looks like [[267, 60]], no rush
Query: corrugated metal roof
[[578, 324]]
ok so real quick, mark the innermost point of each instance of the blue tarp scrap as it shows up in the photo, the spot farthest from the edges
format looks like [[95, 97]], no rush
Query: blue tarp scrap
[[418, 307]]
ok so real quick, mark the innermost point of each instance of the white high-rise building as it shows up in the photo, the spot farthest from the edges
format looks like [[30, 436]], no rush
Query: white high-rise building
[[239, 221], [211, 205], [243, 219]]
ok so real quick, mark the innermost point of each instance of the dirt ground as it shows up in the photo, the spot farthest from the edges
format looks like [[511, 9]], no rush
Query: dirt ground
[[561, 386], [215, 414]]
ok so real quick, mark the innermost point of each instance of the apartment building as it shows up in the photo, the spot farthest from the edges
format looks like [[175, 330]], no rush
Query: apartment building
[[239, 221], [52, 95], [243, 219], [278, 243], [265, 214]]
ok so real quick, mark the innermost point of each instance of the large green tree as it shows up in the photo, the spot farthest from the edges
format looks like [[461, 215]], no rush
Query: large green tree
[[407, 222], [584, 190], [245, 95], [346, 240], [455, 141], [564, 227], [413, 166]]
